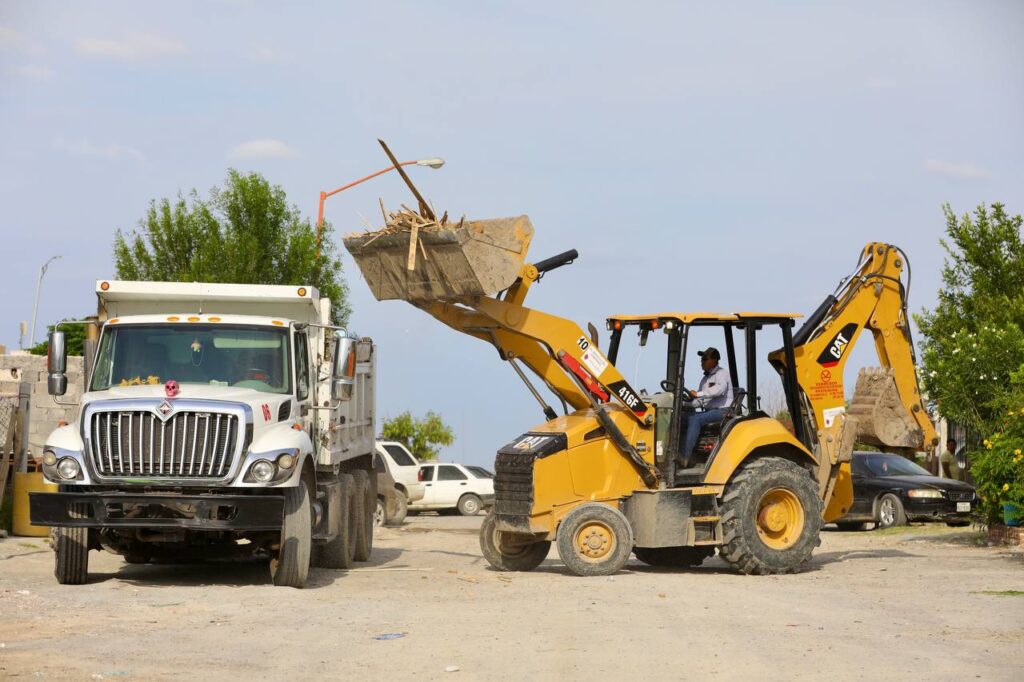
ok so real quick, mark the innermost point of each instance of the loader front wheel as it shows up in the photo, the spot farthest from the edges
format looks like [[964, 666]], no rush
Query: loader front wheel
[[509, 551], [771, 517], [594, 539]]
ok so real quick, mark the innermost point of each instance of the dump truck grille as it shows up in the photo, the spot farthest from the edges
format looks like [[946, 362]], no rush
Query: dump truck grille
[[960, 495], [194, 444]]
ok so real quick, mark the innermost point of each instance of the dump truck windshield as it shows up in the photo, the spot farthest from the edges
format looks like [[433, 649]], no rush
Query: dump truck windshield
[[221, 355]]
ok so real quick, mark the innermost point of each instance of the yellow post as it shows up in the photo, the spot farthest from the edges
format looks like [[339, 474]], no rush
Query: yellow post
[[25, 483]]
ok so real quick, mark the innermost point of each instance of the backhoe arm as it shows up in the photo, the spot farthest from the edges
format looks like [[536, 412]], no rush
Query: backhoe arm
[[887, 410]]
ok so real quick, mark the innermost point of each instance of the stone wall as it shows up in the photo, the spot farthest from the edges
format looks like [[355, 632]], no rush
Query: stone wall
[[44, 413]]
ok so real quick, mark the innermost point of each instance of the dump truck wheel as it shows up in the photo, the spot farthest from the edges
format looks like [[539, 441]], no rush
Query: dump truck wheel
[[890, 512], [594, 539], [401, 511], [289, 567], [509, 552], [339, 553], [771, 517], [673, 556], [380, 513], [470, 505], [71, 555], [365, 499]]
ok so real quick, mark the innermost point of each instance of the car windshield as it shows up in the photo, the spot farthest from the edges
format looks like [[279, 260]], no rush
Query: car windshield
[[882, 464], [248, 357], [480, 472]]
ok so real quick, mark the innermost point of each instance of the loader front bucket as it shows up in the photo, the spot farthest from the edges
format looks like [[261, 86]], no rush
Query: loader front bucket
[[450, 262], [881, 417]]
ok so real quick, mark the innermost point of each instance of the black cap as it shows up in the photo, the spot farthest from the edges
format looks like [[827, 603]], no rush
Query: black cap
[[711, 352]]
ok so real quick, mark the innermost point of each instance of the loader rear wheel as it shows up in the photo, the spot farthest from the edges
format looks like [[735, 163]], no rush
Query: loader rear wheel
[[508, 551], [594, 539], [673, 556], [366, 504], [71, 555], [771, 517], [289, 566]]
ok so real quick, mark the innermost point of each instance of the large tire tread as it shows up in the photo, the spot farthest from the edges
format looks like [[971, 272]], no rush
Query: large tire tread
[[366, 504], [71, 560], [742, 547], [290, 568], [339, 553], [526, 558]]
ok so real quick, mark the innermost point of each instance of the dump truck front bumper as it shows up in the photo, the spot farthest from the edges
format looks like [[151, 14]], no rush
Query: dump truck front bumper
[[154, 511]]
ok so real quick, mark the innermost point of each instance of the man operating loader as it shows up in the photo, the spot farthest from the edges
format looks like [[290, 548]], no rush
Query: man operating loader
[[714, 394]]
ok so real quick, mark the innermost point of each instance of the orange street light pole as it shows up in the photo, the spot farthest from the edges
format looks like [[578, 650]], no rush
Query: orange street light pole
[[429, 163]]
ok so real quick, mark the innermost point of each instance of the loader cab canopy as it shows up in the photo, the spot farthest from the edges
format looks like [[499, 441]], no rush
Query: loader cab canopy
[[738, 334]]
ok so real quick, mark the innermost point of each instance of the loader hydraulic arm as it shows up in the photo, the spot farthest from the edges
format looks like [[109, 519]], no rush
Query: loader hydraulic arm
[[887, 409]]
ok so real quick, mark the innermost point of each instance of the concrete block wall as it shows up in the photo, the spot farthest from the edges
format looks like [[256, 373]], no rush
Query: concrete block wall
[[44, 412]]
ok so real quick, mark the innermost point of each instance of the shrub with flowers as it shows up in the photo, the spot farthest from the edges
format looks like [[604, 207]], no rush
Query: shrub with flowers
[[998, 467]]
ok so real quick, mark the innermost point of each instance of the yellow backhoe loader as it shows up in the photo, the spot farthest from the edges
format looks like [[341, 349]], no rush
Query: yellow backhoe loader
[[600, 479]]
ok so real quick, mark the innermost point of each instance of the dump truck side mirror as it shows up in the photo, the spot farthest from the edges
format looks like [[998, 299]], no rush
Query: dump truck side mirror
[[57, 364], [343, 374]]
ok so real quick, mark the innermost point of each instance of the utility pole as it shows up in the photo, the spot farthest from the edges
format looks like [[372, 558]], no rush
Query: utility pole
[[35, 308]]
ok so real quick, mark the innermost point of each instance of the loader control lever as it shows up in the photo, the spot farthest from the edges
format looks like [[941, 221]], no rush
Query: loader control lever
[[558, 261]]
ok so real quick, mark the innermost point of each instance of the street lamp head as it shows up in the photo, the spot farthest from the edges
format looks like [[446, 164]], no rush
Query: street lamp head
[[431, 163]]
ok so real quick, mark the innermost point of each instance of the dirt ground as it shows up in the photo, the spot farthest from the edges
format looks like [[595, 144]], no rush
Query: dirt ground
[[923, 602]]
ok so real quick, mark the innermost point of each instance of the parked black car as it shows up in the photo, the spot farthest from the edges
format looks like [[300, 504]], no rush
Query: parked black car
[[890, 490]]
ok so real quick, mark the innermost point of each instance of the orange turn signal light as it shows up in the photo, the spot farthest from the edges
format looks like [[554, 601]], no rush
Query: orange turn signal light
[[104, 286]]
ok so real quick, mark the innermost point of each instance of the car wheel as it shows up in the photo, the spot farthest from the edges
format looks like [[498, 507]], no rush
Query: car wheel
[[380, 514], [470, 505], [890, 511]]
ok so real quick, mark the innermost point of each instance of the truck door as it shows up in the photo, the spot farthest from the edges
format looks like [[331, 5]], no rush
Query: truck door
[[427, 478]]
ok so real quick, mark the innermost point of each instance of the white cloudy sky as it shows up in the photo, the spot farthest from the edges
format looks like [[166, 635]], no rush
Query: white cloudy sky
[[698, 156]]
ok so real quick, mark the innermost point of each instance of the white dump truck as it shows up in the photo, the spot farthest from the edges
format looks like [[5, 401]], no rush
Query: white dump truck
[[218, 420]]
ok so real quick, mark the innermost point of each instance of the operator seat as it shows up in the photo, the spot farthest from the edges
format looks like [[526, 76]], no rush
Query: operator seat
[[711, 432]]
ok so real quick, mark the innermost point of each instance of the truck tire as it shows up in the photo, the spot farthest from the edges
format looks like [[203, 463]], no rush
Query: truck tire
[[470, 505], [71, 555], [504, 554], [365, 502], [401, 511], [771, 517], [594, 539], [290, 566], [676, 557], [890, 512], [339, 553]]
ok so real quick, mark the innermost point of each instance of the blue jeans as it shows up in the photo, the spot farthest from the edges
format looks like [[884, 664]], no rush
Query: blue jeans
[[693, 424]]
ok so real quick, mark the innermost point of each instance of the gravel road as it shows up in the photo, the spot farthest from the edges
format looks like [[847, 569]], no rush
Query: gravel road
[[921, 602]]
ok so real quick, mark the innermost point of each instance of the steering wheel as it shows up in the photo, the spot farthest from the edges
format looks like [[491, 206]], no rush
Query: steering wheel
[[668, 386], [257, 374], [687, 395]]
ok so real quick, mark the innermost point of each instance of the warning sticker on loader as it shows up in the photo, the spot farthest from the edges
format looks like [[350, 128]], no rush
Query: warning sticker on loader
[[592, 357], [829, 415]]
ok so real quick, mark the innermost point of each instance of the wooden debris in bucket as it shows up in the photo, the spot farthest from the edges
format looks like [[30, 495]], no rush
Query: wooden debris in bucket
[[413, 222]]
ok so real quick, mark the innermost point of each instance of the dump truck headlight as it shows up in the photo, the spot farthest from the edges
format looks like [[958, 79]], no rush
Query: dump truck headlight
[[286, 461], [68, 469], [263, 471], [925, 493], [49, 458]]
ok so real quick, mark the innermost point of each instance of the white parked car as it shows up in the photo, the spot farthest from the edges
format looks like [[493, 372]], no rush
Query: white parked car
[[455, 487], [403, 467]]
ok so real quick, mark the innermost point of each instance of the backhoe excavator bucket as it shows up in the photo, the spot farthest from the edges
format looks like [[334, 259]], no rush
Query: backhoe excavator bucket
[[454, 261], [881, 417]]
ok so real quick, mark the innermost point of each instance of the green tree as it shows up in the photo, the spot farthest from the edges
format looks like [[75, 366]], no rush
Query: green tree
[[74, 335], [972, 341], [421, 436], [244, 232]]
